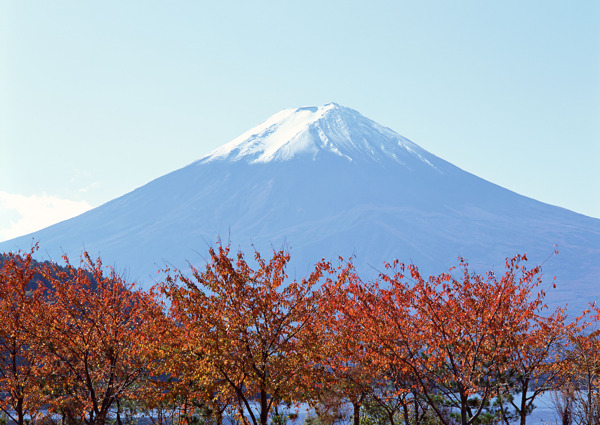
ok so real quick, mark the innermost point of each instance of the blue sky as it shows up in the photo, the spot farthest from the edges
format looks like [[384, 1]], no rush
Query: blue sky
[[100, 97]]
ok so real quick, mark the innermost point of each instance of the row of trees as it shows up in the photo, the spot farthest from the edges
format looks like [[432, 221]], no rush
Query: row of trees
[[239, 338]]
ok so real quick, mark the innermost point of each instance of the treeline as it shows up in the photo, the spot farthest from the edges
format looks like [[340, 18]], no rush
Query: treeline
[[240, 340]]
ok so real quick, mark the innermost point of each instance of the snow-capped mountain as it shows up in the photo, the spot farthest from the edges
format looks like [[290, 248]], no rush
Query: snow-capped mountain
[[329, 182], [315, 132]]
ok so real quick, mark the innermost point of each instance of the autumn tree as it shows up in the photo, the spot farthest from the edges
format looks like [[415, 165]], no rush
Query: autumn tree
[[344, 366], [392, 335], [20, 364], [581, 392], [247, 331], [93, 333], [456, 334], [537, 363], [183, 381]]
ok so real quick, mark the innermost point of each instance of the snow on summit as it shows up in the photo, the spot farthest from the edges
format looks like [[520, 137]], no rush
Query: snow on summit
[[315, 131]]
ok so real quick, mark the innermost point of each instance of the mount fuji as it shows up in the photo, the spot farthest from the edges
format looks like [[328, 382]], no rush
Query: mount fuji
[[328, 182]]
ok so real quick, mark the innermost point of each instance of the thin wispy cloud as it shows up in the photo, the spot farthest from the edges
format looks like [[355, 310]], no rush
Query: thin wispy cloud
[[21, 214]]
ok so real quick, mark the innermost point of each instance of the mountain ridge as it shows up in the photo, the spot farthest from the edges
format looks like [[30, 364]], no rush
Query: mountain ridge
[[376, 206]]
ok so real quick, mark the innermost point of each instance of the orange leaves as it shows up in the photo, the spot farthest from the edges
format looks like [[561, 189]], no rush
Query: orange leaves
[[20, 365], [242, 334], [94, 331], [250, 331], [454, 335]]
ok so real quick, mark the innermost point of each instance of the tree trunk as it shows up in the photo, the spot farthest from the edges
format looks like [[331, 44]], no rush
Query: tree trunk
[[100, 418], [264, 414], [589, 410], [391, 417], [464, 407], [20, 413], [406, 413], [356, 413], [523, 409], [119, 413]]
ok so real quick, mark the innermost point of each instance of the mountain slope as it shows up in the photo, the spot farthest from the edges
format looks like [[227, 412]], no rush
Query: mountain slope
[[331, 182]]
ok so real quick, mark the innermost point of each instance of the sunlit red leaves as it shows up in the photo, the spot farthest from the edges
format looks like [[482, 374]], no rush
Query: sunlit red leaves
[[245, 333], [344, 363], [454, 334], [241, 335], [20, 366], [93, 333]]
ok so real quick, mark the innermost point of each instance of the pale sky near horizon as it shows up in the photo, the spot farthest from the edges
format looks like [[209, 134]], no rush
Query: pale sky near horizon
[[98, 98]]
